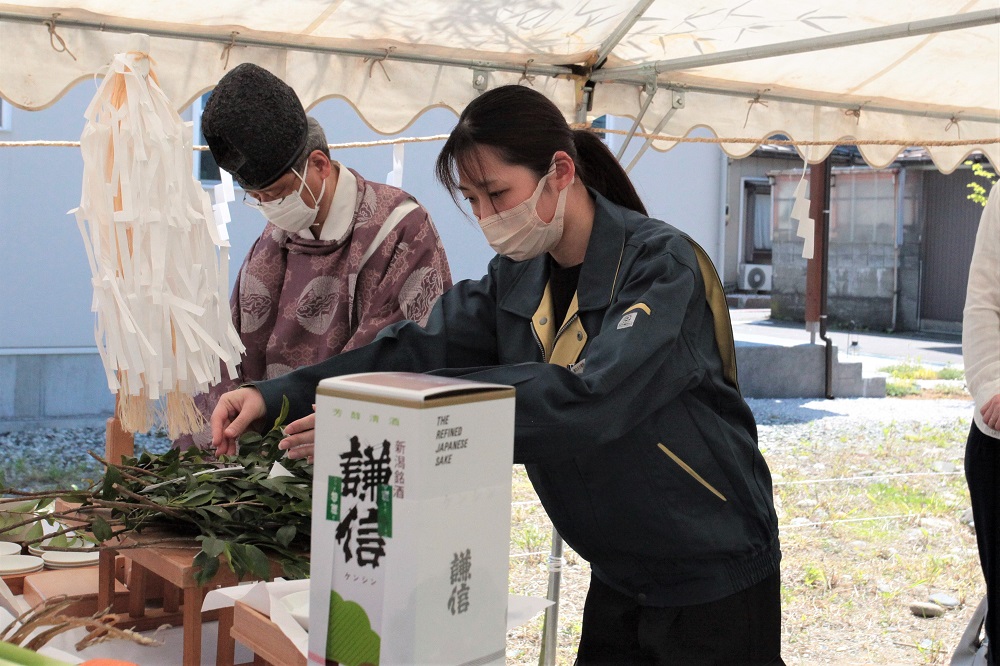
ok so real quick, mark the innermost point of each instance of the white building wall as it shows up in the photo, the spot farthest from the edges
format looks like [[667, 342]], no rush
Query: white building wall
[[49, 367], [683, 186]]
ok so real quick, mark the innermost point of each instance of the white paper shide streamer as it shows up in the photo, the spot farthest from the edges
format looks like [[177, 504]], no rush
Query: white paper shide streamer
[[159, 260]]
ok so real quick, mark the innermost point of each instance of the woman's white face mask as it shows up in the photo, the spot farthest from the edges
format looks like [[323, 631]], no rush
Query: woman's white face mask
[[292, 213], [519, 234]]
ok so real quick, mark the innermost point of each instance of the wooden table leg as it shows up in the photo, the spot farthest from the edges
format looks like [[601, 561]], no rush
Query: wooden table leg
[[137, 591], [105, 579], [225, 651], [171, 597], [192, 626]]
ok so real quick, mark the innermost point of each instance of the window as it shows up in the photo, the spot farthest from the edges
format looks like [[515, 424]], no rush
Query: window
[[205, 168], [757, 221]]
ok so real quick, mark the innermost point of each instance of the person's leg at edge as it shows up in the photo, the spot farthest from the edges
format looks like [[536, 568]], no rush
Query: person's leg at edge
[[609, 633], [982, 463], [743, 629]]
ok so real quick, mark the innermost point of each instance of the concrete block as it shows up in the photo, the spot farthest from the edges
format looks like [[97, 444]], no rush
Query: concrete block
[[75, 384], [771, 371], [8, 382]]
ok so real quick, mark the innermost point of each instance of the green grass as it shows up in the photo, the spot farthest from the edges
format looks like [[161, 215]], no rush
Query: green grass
[[901, 388], [912, 370], [949, 372]]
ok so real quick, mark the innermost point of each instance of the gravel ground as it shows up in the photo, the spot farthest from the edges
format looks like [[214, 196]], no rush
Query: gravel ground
[[37, 459], [846, 587], [57, 457], [851, 413]]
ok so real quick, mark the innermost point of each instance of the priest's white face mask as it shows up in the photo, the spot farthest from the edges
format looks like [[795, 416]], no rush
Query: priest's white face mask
[[291, 212], [519, 233]]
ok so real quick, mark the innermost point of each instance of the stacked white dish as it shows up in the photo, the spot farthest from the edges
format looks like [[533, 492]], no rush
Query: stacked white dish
[[64, 559], [13, 565], [9, 548], [62, 541]]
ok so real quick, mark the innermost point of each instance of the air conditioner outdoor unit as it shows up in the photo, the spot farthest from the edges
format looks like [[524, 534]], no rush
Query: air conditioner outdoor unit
[[755, 277]]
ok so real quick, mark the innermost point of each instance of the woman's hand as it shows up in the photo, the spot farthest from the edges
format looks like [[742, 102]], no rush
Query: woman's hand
[[991, 412], [234, 414], [300, 437]]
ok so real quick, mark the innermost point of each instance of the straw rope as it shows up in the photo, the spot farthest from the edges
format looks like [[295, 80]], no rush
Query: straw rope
[[928, 143]]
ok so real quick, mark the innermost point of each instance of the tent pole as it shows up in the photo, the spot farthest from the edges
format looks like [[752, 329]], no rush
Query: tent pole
[[650, 93], [619, 33], [649, 140], [551, 629], [633, 73], [818, 268], [225, 36]]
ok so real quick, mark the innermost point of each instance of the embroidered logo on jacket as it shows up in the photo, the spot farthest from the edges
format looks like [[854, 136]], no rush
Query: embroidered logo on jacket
[[627, 320]]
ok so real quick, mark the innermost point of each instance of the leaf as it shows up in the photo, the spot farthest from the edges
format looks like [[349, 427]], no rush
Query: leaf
[[284, 412], [285, 534], [206, 567], [111, 477], [257, 562], [198, 497], [100, 528], [211, 546], [218, 512]]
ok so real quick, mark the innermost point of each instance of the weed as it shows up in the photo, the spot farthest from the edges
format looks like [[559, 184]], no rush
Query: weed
[[909, 370], [899, 389], [949, 372], [814, 576]]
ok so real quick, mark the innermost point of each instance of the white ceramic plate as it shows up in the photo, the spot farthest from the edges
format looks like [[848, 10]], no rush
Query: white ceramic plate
[[297, 604], [70, 542], [9, 548], [11, 565], [64, 558]]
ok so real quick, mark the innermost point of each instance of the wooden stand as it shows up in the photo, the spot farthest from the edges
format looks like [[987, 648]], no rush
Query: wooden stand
[[117, 442], [182, 596], [83, 583], [253, 629]]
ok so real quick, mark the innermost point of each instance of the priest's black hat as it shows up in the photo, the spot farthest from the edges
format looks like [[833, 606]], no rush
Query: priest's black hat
[[255, 126]]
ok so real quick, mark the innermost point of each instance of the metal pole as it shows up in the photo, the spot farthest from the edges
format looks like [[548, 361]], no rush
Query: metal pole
[[650, 93], [809, 45], [551, 630]]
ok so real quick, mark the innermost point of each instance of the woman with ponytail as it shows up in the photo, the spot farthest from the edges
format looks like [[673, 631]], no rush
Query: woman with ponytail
[[629, 419]]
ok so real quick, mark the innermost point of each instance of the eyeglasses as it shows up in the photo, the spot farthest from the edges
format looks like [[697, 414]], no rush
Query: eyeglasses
[[255, 203]]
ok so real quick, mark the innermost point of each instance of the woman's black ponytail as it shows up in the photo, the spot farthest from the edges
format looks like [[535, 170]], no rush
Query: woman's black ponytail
[[527, 129], [602, 172]]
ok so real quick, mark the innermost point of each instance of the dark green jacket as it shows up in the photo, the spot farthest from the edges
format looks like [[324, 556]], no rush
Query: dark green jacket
[[644, 455]]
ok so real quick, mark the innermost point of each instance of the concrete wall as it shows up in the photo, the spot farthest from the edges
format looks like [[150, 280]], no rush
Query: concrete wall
[[684, 186], [768, 371]]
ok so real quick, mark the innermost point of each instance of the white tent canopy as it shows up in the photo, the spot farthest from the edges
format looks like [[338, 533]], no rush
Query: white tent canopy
[[907, 72]]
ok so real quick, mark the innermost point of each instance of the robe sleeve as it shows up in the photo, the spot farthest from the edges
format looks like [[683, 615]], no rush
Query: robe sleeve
[[460, 332], [402, 280]]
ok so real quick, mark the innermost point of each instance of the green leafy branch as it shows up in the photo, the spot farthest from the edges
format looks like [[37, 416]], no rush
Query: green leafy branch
[[240, 514], [980, 193]]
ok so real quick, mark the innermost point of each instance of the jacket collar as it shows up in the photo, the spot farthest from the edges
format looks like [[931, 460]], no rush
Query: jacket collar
[[597, 275]]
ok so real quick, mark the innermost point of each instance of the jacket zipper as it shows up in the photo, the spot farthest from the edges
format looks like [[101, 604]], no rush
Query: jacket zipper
[[565, 325], [538, 342], [697, 477]]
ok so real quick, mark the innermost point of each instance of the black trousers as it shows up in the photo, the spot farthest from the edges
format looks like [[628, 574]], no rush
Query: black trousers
[[741, 629], [982, 472]]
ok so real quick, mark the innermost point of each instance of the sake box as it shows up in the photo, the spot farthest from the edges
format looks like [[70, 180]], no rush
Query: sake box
[[411, 520]]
